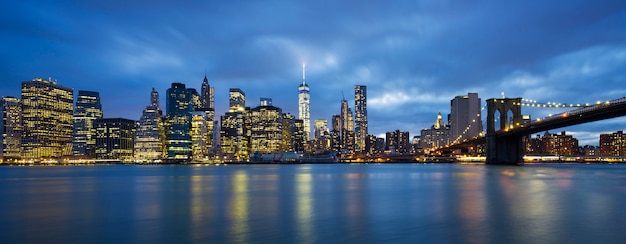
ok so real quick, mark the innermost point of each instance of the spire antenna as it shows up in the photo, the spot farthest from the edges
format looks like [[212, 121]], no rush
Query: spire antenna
[[303, 73]]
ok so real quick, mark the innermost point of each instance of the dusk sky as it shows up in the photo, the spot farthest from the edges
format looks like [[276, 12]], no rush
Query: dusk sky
[[414, 56]]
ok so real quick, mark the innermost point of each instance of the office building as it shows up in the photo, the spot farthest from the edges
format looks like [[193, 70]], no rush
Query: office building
[[179, 106], [288, 131], [10, 129], [47, 118], [235, 127], [360, 120], [150, 134], [266, 128], [437, 136], [465, 120], [114, 138], [398, 142], [88, 108], [304, 112]]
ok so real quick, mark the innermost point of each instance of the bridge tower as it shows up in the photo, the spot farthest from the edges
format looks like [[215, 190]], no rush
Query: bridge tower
[[504, 149]]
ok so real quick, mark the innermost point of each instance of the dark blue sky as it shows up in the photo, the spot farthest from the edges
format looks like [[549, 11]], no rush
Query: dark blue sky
[[414, 56]]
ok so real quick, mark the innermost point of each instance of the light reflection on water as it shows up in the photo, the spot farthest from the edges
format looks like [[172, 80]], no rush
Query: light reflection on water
[[313, 203]]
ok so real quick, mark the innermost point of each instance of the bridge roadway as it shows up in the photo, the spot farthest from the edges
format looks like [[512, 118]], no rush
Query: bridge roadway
[[607, 110]]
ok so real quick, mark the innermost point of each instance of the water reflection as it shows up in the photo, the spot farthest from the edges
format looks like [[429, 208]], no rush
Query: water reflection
[[313, 203], [239, 207], [304, 208]]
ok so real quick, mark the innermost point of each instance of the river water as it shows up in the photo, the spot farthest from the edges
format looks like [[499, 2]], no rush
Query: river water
[[322, 203]]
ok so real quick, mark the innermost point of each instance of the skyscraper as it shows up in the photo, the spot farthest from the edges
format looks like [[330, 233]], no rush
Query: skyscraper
[[347, 128], [207, 95], [150, 134], [465, 121], [234, 130], [266, 128], [10, 128], [304, 112], [114, 138], [179, 107], [360, 107], [321, 128], [88, 109], [207, 98], [47, 118]]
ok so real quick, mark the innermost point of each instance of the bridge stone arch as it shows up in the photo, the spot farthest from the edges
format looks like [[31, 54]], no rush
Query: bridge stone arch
[[504, 149], [503, 106]]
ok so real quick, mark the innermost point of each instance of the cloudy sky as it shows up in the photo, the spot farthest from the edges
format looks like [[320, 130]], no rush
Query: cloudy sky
[[414, 56]]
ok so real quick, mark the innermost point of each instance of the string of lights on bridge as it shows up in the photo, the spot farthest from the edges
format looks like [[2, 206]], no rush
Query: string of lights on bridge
[[534, 104]]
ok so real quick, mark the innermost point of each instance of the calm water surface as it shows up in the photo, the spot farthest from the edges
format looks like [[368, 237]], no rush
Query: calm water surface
[[365, 203]]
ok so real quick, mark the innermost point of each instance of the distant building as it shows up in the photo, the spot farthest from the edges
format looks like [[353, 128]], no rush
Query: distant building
[[114, 138], [304, 103], [437, 136], [200, 135], [235, 127], [590, 150], [179, 106], [88, 109], [360, 121], [47, 118], [321, 128], [322, 140], [613, 144], [465, 120], [415, 145], [10, 128], [266, 124], [207, 102], [560, 144], [150, 133], [299, 136], [398, 141], [371, 147], [551, 144], [288, 132], [347, 133]]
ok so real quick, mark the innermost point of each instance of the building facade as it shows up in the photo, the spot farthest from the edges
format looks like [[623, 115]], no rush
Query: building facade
[[266, 128], [235, 127], [304, 104], [179, 107], [47, 119], [465, 120], [150, 134], [10, 128], [360, 117], [437, 136], [114, 138], [398, 141], [613, 144], [88, 109]]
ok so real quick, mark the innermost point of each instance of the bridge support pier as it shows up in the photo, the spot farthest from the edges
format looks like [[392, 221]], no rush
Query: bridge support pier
[[504, 150]]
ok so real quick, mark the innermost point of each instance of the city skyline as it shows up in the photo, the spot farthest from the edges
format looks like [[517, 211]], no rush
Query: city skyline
[[413, 56]]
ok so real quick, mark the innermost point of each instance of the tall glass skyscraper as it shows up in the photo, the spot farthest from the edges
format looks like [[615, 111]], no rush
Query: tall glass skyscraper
[[179, 108], [304, 112], [360, 121], [88, 109], [150, 134], [10, 128], [47, 118]]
